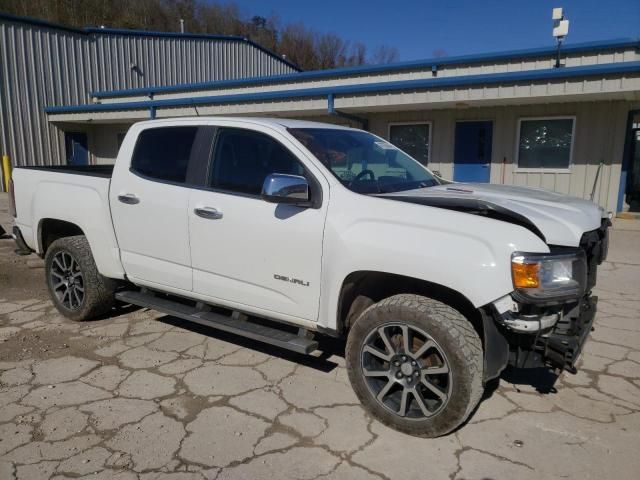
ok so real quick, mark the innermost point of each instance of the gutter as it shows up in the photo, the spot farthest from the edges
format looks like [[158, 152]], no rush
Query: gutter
[[367, 88], [364, 123]]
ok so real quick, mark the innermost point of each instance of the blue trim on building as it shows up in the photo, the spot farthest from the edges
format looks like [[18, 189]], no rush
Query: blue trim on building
[[359, 89], [429, 64], [143, 33]]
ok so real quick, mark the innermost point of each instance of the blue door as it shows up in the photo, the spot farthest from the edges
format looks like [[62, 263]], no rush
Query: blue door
[[76, 148], [472, 155]]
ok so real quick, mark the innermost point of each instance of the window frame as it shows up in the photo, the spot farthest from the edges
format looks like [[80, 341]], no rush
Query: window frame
[[315, 188], [519, 169], [425, 122], [197, 155]]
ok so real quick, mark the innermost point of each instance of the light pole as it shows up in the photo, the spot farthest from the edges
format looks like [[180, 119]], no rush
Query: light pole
[[560, 30]]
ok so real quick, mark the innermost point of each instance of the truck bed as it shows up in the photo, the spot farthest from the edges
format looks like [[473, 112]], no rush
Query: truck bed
[[74, 194], [104, 171]]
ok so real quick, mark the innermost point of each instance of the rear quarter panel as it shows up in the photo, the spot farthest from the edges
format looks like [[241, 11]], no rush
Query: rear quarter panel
[[79, 199]]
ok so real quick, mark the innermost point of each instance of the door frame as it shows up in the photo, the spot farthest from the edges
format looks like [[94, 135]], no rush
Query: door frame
[[319, 181], [75, 132], [493, 140]]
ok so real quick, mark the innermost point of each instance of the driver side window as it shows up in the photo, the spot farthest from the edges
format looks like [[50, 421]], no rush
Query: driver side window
[[244, 158]]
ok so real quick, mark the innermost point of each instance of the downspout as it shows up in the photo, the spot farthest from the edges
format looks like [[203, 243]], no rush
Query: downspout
[[332, 111]]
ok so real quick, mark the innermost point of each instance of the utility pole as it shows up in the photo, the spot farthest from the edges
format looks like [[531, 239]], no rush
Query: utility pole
[[182, 25]]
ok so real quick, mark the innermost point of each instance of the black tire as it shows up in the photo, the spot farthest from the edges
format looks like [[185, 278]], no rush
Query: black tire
[[94, 294], [433, 404]]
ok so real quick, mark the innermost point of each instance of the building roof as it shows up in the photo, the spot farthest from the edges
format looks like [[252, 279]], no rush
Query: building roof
[[431, 63], [580, 72], [143, 33]]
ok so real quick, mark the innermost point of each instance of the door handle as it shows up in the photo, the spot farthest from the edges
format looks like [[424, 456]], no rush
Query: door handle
[[209, 213], [128, 198]]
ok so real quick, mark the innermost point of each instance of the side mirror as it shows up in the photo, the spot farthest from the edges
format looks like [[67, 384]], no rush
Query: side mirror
[[281, 188]]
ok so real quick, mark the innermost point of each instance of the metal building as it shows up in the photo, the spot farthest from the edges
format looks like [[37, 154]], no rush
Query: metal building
[[42, 64]]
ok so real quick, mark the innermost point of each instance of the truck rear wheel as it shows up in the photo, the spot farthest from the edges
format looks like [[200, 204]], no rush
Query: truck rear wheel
[[76, 287], [415, 364]]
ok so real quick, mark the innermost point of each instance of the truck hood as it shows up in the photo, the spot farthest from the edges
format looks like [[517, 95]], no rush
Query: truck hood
[[559, 218]]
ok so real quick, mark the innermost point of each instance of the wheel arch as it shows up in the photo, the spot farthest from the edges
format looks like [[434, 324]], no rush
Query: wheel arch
[[362, 288], [52, 229]]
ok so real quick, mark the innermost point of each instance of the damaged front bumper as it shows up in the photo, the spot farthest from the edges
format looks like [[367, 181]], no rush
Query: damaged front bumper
[[545, 335], [551, 337], [563, 345]]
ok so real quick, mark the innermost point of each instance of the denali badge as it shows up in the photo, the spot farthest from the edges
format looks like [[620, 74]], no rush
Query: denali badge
[[297, 281]]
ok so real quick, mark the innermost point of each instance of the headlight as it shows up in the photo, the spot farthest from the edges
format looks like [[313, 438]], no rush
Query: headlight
[[549, 277]]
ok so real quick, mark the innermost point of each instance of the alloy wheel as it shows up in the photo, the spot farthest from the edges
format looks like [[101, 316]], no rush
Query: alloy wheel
[[67, 280], [406, 371]]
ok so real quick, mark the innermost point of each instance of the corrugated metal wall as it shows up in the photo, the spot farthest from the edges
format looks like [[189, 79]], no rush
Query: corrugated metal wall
[[42, 66]]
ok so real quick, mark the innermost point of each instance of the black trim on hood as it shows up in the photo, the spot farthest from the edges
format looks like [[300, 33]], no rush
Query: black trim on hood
[[472, 206]]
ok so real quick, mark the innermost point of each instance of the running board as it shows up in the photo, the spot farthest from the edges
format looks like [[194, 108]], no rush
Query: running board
[[262, 333]]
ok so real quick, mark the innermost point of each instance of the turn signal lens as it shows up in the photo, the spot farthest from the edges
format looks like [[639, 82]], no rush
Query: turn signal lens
[[525, 275]]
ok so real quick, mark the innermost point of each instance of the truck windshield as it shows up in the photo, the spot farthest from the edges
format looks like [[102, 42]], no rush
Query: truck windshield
[[363, 162]]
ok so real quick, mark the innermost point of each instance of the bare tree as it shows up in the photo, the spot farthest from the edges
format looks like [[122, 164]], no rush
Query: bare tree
[[331, 51], [358, 55], [297, 43], [384, 54]]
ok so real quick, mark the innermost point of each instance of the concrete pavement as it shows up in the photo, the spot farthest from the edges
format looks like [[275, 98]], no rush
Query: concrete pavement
[[144, 396]]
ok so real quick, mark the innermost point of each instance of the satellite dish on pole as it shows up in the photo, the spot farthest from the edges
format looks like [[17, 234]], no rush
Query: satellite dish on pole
[[560, 30]]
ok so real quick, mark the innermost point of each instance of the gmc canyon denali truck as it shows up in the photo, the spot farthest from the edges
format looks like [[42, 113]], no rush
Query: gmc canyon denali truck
[[279, 230]]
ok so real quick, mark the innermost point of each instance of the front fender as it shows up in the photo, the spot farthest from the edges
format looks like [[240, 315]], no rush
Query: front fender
[[465, 253]]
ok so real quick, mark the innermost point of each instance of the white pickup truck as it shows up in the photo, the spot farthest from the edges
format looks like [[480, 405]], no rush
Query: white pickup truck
[[279, 230]]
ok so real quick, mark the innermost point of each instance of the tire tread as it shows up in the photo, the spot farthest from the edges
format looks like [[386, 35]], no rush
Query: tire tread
[[99, 290], [458, 327]]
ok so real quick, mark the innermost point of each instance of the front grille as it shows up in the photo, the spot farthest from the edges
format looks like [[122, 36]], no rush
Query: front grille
[[595, 245]]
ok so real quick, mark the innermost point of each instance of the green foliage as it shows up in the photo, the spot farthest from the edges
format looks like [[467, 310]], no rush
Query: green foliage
[[299, 44]]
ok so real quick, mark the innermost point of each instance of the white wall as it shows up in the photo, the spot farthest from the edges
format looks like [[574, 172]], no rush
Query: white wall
[[103, 142]]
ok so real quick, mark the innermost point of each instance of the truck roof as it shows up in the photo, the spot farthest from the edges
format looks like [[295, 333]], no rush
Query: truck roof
[[266, 121]]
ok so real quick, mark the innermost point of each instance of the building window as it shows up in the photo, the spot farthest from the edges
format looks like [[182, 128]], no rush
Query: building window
[[412, 138], [545, 143], [163, 153]]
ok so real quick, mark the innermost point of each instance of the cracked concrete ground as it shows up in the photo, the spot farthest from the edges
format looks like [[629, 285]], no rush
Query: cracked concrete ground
[[143, 396]]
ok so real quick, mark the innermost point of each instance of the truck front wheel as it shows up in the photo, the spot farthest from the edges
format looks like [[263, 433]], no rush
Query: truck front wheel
[[415, 364], [76, 287]]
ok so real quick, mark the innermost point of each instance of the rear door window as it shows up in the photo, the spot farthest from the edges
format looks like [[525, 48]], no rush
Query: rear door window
[[164, 153]]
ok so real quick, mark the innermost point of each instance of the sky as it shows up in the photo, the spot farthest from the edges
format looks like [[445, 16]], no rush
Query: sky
[[418, 28]]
